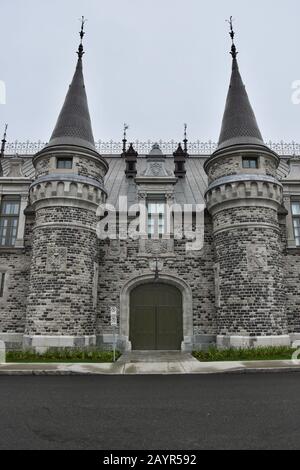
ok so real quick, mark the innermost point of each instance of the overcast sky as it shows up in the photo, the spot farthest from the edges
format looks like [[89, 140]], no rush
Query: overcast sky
[[154, 64]]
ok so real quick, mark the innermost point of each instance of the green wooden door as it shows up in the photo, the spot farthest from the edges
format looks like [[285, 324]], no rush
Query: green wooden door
[[156, 317]]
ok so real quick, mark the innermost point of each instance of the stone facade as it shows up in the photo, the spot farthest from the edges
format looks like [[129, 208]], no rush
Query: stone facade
[[127, 265], [243, 282], [60, 280]]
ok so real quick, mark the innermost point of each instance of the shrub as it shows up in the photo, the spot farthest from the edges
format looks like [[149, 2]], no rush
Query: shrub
[[62, 355], [251, 354]]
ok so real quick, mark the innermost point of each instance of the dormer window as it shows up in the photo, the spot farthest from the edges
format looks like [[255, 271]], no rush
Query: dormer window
[[156, 217], [250, 162], [63, 163]]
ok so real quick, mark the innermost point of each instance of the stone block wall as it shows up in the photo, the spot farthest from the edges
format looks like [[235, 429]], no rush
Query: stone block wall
[[16, 265], [229, 164], [250, 272], [83, 165], [121, 261], [61, 294], [292, 283]]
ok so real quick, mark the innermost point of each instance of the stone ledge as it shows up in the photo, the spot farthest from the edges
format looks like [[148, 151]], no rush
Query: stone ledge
[[236, 342], [41, 343], [12, 250]]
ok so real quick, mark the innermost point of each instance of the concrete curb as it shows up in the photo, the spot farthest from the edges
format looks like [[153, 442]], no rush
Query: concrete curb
[[192, 367], [33, 373]]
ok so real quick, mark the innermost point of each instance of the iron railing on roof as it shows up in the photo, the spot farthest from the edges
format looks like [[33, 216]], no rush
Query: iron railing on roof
[[143, 147]]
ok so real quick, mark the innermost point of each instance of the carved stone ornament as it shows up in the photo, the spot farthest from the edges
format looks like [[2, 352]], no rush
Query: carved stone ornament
[[155, 168], [116, 250], [15, 167], [257, 260], [158, 247], [56, 258], [153, 265]]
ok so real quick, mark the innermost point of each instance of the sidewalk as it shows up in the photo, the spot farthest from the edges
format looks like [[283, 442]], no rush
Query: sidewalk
[[149, 363]]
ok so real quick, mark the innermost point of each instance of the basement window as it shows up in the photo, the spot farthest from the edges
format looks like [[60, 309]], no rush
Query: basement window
[[2, 283], [250, 162], [64, 163]]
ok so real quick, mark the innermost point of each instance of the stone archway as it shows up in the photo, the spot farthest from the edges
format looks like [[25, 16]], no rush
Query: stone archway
[[187, 306]]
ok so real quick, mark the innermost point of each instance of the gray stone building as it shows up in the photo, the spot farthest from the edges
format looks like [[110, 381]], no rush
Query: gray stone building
[[228, 277]]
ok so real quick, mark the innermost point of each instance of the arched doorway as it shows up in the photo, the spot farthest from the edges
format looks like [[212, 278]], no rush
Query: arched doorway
[[156, 317]]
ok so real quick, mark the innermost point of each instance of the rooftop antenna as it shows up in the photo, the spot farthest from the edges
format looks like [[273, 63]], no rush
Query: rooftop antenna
[[3, 141], [80, 51], [185, 141], [233, 51], [126, 127]]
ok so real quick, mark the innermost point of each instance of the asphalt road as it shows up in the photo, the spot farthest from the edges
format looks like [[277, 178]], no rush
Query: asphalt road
[[253, 411]]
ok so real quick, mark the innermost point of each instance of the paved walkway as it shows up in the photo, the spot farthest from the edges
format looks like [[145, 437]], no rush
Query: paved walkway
[[149, 362]]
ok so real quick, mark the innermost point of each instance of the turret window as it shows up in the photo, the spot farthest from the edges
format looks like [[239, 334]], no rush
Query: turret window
[[9, 219], [296, 221], [250, 162], [64, 163]]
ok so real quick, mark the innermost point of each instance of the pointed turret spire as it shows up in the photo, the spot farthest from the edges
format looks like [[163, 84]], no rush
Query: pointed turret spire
[[185, 140], [73, 126], [125, 128], [239, 124], [3, 141]]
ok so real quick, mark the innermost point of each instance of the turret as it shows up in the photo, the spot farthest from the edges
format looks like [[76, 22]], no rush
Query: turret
[[243, 198], [65, 194]]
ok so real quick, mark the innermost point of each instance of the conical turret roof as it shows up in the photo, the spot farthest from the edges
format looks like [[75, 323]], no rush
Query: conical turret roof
[[239, 125], [73, 126]]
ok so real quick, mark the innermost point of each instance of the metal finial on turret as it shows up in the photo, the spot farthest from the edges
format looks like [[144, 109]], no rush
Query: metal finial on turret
[[80, 51], [185, 141], [3, 141], [126, 127], [233, 51]]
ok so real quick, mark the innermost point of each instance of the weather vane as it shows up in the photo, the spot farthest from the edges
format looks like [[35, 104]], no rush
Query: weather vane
[[185, 137], [233, 52], [126, 127], [81, 34]]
